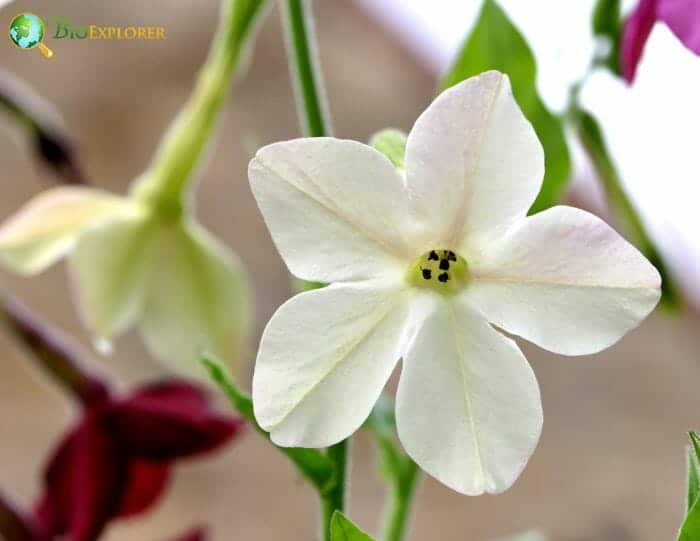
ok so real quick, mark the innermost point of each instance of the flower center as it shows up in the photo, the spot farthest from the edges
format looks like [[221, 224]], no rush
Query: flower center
[[441, 270]]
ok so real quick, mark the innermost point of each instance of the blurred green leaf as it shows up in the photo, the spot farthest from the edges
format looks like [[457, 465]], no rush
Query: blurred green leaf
[[495, 43], [593, 141], [693, 473], [607, 25], [382, 424], [391, 143], [343, 529], [311, 463], [396, 467], [690, 530]]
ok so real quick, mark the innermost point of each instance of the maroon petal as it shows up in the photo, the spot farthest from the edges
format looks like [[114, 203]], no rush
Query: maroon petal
[[14, 525], [683, 18], [170, 420], [147, 481], [635, 35], [84, 482], [197, 534]]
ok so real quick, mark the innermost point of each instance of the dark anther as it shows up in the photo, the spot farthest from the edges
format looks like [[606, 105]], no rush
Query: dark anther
[[444, 277], [427, 273], [432, 256], [451, 256], [444, 264]]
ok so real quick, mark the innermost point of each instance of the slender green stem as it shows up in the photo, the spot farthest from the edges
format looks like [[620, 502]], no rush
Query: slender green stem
[[312, 464], [398, 510], [308, 83], [184, 145], [333, 499], [303, 57], [311, 107], [593, 142]]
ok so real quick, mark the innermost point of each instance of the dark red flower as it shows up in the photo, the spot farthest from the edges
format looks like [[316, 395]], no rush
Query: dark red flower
[[115, 461]]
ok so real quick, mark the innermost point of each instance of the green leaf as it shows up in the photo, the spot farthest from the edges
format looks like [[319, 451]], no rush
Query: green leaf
[[693, 473], [593, 141], [690, 530], [391, 143], [496, 44], [393, 462], [311, 463], [343, 529], [607, 25]]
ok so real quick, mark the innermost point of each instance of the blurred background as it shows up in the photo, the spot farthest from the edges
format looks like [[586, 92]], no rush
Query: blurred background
[[610, 465]]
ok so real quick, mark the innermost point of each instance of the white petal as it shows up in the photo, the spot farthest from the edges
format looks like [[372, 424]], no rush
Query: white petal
[[566, 281], [324, 359], [110, 265], [46, 228], [336, 209], [468, 406], [196, 301], [473, 162]]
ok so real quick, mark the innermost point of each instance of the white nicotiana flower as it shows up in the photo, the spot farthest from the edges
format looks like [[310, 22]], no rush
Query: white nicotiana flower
[[422, 267], [131, 264]]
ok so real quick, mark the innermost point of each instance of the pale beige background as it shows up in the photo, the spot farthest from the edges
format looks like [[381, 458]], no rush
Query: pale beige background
[[610, 464]]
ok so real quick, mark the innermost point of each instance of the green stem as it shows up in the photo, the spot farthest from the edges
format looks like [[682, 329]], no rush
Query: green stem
[[593, 142], [333, 499], [303, 57], [398, 511], [184, 145], [311, 107], [312, 464]]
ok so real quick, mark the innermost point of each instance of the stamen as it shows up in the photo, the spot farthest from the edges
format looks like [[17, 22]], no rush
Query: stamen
[[442, 270]]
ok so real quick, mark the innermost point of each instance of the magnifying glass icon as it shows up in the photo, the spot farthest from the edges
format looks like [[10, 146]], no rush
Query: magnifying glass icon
[[27, 32]]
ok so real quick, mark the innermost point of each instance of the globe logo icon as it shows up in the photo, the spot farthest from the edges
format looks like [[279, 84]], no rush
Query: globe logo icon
[[27, 32]]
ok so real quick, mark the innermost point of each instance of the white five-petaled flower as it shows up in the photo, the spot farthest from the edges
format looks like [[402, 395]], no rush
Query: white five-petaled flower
[[422, 267]]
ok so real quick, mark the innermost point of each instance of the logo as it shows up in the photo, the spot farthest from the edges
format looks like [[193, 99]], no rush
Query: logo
[[27, 32]]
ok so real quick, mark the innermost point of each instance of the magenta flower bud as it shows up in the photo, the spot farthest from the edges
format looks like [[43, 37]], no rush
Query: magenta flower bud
[[681, 16]]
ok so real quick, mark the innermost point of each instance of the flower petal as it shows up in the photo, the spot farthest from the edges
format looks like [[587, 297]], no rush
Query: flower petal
[[46, 228], [110, 265], [83, 483], [324, 358], [634, 37], [566, 281], [473, 162], [146, 483], [468, 405], [683, 18], [335, 208], [197, 301], [169, 420]]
